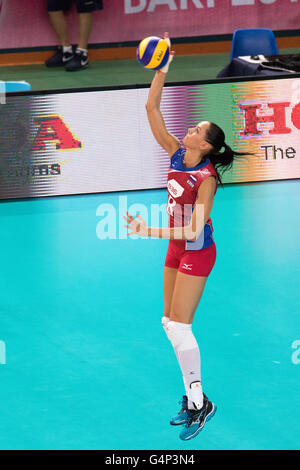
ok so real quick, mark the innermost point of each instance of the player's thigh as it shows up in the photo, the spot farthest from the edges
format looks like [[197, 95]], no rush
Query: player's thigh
[[186, 296], [169, 280]]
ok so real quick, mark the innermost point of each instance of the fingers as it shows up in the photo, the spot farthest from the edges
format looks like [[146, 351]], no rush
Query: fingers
[[128, 227], [171, 55], [133, 225], [166, 37], [129, 217]]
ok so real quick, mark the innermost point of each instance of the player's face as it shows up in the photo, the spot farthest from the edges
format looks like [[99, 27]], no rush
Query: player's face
[[195, 137]]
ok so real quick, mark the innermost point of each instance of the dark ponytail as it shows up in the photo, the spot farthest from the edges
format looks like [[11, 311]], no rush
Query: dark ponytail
[[222, 160]]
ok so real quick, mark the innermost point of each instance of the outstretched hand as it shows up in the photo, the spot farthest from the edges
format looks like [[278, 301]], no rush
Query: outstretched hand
[[137, 226], [171, 56]]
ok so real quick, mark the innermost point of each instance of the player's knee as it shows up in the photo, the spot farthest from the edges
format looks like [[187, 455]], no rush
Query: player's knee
[[175, 316], [181, 335]]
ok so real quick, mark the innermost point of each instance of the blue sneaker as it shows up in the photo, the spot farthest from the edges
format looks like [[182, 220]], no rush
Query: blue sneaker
[[181, 416], [196, 419]]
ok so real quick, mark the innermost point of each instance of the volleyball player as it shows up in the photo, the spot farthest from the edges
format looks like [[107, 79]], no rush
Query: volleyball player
[[192, 184]]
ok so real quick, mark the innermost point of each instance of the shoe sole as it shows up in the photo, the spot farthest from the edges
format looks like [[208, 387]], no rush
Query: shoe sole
[[208, 417], [77, 69], [56, 65], [178, 423], [62, 64]]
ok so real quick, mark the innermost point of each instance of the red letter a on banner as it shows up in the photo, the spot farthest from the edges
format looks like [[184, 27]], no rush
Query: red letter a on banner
[[53, 128]]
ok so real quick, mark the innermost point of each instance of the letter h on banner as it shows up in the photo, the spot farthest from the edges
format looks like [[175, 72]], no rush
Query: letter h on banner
[[278, 117]]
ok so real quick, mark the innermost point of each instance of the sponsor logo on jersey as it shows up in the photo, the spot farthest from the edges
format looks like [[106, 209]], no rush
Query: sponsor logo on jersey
[[204, 172], [175, 189]]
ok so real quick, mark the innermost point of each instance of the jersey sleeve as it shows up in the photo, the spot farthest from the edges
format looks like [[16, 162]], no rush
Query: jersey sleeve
[[211, 172]]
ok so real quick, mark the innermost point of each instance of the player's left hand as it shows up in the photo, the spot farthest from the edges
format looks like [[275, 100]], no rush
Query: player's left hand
[[137, 226]]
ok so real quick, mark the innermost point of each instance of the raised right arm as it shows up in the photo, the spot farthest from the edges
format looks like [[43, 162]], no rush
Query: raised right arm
[[167, 141]]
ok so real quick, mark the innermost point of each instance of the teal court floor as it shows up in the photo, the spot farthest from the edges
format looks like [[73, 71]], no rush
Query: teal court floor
[[88, 365], [84, 361]]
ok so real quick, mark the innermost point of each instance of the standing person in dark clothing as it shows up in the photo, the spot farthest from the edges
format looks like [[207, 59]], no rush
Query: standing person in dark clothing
[[66, 55]]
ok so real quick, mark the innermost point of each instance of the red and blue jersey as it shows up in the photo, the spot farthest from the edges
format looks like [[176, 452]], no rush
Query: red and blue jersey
[[183, 185]]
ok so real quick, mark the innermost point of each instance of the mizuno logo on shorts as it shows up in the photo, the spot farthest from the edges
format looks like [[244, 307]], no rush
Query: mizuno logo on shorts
[[187, 266]]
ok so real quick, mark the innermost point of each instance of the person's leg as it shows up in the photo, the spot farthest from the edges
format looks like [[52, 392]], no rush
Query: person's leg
[[85, 15], [183, 309], [187, 293], [59, 23], [85, 9], [56, 9], [172, 263], [169, 280], [182, 294], [85, 28]]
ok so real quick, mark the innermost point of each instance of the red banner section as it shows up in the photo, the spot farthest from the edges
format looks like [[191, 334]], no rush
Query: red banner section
[[26, 24]]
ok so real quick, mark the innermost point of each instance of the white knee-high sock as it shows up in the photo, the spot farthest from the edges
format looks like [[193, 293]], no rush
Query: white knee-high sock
[[189, 362], [165, 321], [188, 356]]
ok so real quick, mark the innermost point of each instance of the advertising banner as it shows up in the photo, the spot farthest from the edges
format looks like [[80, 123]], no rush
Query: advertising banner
[[26, 24], [96, 141]]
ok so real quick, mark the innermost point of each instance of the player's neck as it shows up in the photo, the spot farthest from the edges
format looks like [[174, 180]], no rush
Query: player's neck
[[192, 158]]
